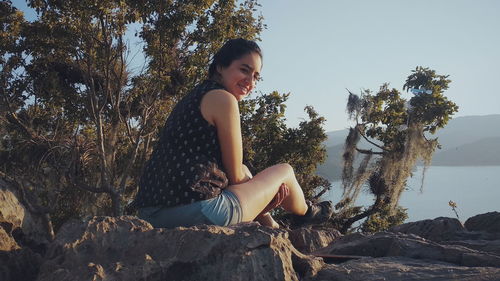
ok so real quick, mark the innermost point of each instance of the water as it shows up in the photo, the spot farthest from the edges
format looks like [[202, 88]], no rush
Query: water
[[475, 190]]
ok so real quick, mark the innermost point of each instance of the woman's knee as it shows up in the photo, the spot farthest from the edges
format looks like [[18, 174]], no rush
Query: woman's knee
[[286, 167]]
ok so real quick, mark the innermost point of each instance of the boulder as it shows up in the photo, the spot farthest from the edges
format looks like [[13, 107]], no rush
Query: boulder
[[22, 238], [402, 268], [387, 244], [7, 242], [15, 217], [19, 264], [127, 248], [308, 240], [488, 222], [438, 229]]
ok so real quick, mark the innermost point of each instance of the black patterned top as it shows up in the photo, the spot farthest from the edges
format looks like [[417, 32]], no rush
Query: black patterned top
[[186, 164]]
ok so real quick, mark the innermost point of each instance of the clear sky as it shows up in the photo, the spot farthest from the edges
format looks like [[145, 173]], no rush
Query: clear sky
[[316, 49]]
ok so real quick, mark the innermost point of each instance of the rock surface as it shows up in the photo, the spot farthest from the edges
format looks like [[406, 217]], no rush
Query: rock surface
[[489, 222], [308, 240], [16, 219], [22, 238], [127, 248], [450, 231], [7, 241], [400, 268], [20, 264], [487, 246], [388, 244], [439, 229]]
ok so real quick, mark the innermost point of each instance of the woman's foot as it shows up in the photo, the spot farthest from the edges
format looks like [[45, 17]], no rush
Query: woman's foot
[[316, 213], [267, 220]]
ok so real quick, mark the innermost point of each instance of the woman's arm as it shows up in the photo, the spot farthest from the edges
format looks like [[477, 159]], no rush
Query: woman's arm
[[220, 108], [246, 171]]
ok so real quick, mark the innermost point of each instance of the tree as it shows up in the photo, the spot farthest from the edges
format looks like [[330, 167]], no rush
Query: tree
[[75, 115], [398, 131]]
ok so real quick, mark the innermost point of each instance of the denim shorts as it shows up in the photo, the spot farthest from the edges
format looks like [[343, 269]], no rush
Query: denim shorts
[[222, 210]]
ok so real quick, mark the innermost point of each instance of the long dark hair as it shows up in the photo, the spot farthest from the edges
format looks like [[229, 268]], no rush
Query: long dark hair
[[232, 50]]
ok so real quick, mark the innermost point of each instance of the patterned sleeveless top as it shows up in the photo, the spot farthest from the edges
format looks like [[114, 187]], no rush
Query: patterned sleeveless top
[[186, 164]]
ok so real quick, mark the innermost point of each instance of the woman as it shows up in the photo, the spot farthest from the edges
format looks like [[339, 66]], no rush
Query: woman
[[196, 173]]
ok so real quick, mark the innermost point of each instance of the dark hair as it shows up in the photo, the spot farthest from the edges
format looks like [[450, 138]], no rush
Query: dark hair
[[232, 50]]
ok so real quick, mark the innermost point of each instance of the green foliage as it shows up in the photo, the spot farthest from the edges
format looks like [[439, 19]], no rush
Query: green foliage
[[396, 128], [434, 110], [75, 114], [385, 219], [386, 116], [83, 123], [267, 140]]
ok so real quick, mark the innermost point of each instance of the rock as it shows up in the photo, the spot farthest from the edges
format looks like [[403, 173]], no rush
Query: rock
[[488, 246], [14, 215], [127, 248], [438, 229], [401, 268], [7, 242], [489, 222], [22, 238], [308, 240], [20, 264], [386, 244]]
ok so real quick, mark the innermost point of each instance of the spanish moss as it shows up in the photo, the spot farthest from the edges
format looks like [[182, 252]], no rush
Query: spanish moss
[[390, 123]]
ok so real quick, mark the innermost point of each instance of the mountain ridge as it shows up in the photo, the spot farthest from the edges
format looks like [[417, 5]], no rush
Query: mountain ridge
[[465, 141]]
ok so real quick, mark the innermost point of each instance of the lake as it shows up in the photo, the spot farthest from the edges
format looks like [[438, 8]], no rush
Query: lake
[[475, 190]]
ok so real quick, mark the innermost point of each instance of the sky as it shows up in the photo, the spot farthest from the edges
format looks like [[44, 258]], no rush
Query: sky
[[315, 50]]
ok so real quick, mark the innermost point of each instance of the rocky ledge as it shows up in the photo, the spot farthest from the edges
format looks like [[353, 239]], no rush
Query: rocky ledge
[[127, 248]]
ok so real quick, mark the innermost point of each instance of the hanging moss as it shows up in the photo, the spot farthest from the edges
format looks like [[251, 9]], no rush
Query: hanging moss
[[396, 129], [349, 155]]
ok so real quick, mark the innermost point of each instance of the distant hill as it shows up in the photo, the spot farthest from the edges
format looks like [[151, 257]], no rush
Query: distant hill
[[465, 141], [479, 153], [468, 129], [331, 169], [336, 137]]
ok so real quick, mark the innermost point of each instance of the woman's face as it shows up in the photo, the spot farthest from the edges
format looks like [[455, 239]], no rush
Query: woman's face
[[240, 76]]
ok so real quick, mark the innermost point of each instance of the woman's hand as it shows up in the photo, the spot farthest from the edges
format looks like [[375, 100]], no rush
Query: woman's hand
[[266, 220], [247, 173], [282, 193]]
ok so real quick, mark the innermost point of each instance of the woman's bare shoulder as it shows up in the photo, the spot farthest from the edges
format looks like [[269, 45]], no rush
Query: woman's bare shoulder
[[218, 104], [219, 96]]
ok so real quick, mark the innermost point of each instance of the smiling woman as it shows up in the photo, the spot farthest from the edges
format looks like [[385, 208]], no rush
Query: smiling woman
[[239, 78], [237, 73], [196, 173]]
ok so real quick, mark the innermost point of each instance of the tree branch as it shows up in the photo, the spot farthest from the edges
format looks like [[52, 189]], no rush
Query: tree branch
[[13, 119], [348, 222], [325, 189], [89, 188], [131, 161], [368, 140], [369, 151]]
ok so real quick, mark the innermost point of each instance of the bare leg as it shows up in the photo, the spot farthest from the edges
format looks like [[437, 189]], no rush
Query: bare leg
[[264, 219], [267, 220], [255, 194]]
